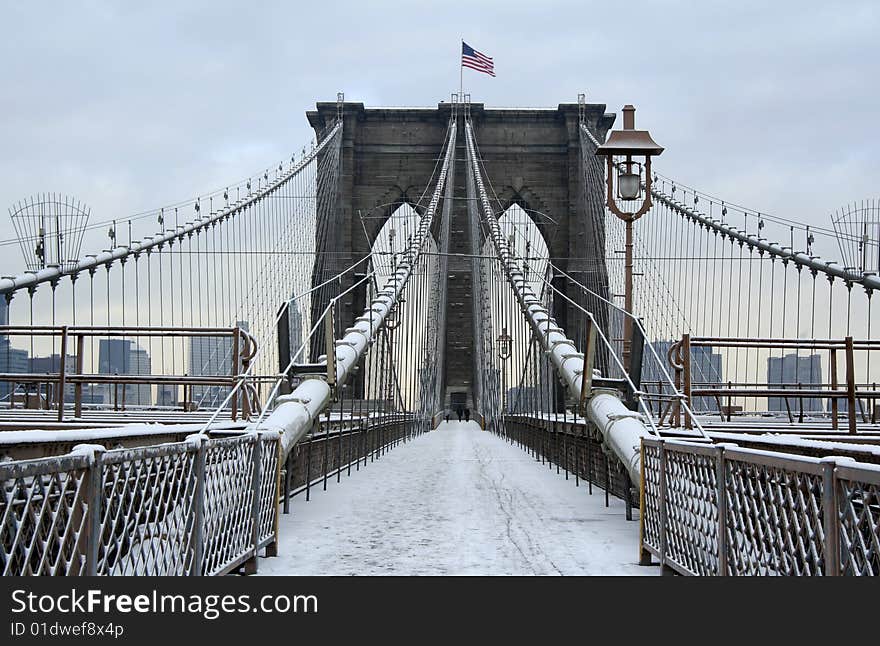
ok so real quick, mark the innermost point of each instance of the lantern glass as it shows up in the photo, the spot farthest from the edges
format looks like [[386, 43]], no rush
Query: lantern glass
[[504, 346], [628, 185]]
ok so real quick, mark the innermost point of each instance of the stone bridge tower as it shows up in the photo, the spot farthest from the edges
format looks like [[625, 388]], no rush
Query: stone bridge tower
[[532, 157]]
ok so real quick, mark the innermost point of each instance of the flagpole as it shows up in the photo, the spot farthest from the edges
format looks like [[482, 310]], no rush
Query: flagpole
[[460, 73]]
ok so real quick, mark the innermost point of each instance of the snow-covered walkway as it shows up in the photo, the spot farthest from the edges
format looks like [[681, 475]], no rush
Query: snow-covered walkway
[[457, 500]]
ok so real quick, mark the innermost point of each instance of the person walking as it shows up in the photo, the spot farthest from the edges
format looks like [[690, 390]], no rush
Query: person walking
[[467, 414], [458, 411]]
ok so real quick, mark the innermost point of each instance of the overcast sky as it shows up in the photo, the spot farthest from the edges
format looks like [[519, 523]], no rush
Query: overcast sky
[[130, 106]]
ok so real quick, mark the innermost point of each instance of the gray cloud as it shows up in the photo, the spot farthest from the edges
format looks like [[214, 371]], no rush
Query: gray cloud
[[131, 106]]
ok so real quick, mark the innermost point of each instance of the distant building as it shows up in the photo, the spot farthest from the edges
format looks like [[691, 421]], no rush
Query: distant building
[[12, 360], [114, 356], [166, 395], [706, 371], [52, 365], [792, 370], [124, 357], [211, 356], [139, 394]]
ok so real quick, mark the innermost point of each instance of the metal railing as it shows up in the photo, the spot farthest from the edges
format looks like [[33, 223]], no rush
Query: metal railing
[[199, 507], [725, 510], [72, 375], [843, 393], [577, 449], [339, 447]]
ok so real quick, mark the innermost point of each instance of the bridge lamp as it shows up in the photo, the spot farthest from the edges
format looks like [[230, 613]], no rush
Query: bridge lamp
[[505, 347], [504, 344], [628, 155]]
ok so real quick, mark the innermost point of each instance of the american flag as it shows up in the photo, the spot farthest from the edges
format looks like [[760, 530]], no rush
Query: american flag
[[475, 60]]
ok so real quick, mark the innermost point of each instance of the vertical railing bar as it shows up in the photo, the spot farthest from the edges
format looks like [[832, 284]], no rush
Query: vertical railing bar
[[831, 544], [198, 526], [721, 502], [93, 518], [662, 503]]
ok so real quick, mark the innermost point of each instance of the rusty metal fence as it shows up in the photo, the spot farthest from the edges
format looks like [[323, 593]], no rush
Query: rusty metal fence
[[725, 510], [199, 507]]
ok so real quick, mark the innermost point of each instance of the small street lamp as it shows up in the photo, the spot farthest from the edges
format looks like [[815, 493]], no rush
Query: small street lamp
[[632, 168], [505, 345]]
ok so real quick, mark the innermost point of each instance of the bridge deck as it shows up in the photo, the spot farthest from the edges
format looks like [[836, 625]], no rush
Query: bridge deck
[[456, 501]]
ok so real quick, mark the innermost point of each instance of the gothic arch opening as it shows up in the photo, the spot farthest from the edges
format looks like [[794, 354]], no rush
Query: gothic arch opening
[[401, 384], [520, 388]]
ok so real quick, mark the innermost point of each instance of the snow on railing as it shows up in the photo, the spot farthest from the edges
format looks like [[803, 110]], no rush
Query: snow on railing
[[725, 510], [203, 506]]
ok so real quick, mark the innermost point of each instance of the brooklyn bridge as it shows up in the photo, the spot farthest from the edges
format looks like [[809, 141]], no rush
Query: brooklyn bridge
[[454, 339]]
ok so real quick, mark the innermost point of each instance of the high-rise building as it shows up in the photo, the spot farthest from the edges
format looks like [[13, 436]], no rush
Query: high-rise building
[[139, 394], [166, 395], [12, 360], [794, 371], [211, 356], [114, 356], [123, 357], [706, 371], [52, 365]]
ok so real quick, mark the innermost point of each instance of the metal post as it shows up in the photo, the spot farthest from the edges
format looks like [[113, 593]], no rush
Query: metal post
[[627, 493], [801, 404], [829, 516], [644, 555], [661, 503], [339, 437], [283, 334], [95, 498], [325, 456], [272, 548], [556, 447], [234, 370], [721, 502], [628, 289], [850, 386], [565, 454], [291, 460], [637, 348], [309, 470], [589, 462], [78, 388], [199, 495], [250, 566], [587, 369], [607, 480], [834, 384], [62, 373], [686, 363]]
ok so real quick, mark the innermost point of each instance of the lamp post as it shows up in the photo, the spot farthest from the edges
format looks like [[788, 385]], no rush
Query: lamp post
[[505, 343], [628, 172]]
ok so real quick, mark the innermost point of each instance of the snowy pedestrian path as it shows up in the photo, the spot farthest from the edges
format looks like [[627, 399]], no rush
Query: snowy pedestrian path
[[457, 500]]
